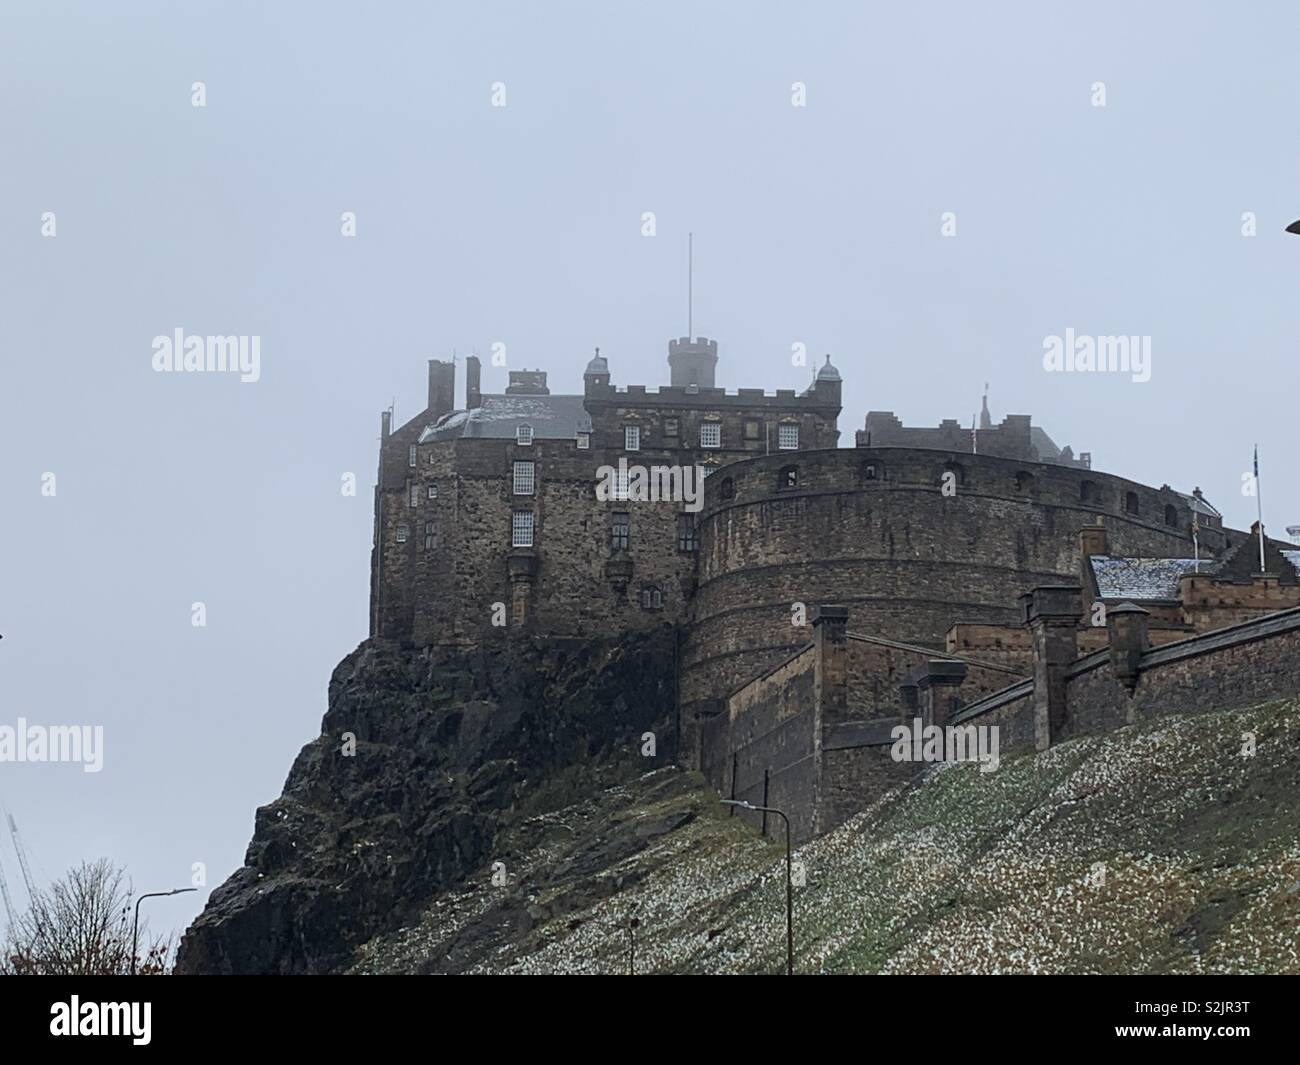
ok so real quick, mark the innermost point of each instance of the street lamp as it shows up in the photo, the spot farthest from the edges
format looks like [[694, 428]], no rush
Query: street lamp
[[135, 925], [789, 878], [630, 928]]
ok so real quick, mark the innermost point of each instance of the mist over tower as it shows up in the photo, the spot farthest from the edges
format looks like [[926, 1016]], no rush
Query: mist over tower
[[692, 362]]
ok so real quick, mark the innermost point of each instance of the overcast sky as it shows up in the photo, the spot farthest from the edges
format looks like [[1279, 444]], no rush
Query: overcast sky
[[522, 225]]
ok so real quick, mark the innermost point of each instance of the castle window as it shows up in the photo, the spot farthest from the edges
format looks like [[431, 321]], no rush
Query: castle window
[[584, 441], [789, 478], [1024, 482], [631, 438], [728, 490], [621, 475], [410, 455], [711, 434], [619, 532], [751, 430], [429, 537], [521, 528], [956, 469], [403, 533], [1088, 492], [787, 438], [415, 495], [523, 478], [1171, 515], [524, 436], [433, 491], [670, 427], [870, 471], [687, 540], [652, 598], [1131, 504]]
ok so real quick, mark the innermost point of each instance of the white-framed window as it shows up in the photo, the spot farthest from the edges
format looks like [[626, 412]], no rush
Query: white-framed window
[[430, 536], [631, 438], [710, 434], [523, 478], [403, 533], [621, 474], [524, 436], [410, 455], [521, 528], [584, 441], [433, 491], [787, 438], [415, 495]]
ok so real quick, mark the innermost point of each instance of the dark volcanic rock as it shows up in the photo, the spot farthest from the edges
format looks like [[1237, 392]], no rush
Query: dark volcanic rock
[[451, 750]]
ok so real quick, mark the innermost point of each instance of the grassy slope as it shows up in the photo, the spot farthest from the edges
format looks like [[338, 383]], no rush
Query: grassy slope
[[1153, 849]]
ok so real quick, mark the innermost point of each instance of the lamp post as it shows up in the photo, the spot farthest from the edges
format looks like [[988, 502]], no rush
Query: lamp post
[[789, 877], [135, 925]]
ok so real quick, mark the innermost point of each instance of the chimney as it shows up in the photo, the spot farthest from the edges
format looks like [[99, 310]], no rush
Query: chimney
[[527, 383], [473, 377], [1092, 541], [442, 387]]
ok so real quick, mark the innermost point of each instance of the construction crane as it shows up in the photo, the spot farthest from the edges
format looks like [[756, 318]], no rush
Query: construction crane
[[22, 859], [9, 903]]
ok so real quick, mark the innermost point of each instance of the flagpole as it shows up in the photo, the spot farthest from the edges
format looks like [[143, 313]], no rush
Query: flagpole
[[1196, 536], [1259, 511]]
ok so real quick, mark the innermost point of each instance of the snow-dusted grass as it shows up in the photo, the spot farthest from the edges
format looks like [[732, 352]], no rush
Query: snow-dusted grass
[[1151, 849]]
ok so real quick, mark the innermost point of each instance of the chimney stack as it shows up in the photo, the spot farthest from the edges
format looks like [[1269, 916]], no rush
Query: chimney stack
[[442, 387], [473, 383]]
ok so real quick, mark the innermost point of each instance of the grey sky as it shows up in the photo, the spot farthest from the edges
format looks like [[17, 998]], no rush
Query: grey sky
[[522, 225]]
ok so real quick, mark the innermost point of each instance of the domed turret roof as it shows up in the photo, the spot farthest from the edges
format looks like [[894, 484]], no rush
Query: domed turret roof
[[828, 372], [598, 364]]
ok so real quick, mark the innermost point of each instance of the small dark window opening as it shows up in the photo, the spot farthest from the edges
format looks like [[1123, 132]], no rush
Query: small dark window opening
[[1171, 515], [728, 490], [1131, 503], [789, 478]]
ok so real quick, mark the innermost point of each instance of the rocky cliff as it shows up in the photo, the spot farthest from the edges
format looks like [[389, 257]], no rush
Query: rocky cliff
[[425, 761]]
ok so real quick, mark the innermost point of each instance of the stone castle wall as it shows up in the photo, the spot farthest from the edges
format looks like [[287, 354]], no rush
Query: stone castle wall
[[870, 528]]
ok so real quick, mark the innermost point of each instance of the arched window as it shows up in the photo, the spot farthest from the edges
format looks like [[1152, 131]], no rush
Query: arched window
[[789, 478], [728, 489], [1171, 515], [1131, 503]]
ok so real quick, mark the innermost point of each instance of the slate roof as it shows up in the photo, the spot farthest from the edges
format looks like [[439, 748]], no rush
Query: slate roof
[[1294, 558], [1143, 578], [1198, 504], [552, 418]]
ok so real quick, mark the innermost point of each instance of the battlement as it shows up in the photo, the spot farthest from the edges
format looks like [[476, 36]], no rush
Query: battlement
[[819, 395]]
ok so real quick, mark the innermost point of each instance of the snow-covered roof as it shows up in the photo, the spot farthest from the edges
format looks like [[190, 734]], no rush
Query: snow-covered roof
[[1144, 578], [551, 418]]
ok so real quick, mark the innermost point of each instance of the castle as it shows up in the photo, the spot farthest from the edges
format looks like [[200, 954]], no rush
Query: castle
[[821, 593]]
